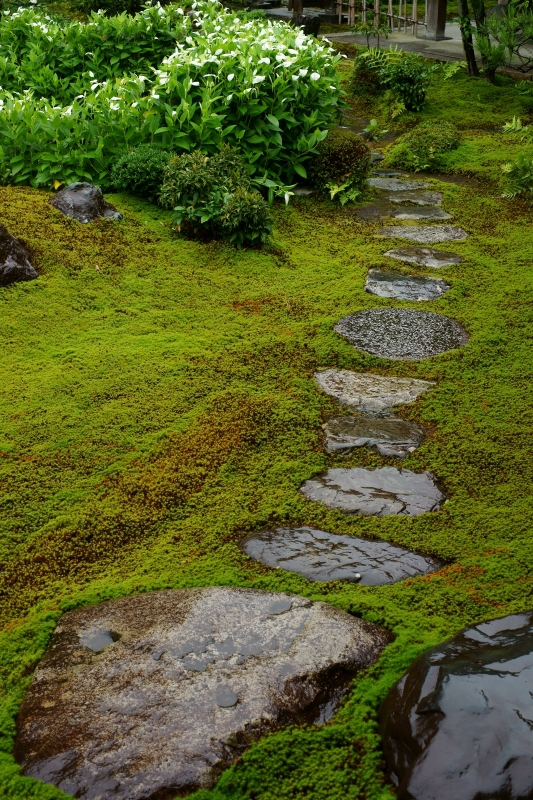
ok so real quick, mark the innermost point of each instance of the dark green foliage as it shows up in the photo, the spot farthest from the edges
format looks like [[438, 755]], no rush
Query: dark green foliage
[[140, 171], [110, 7], [342, 157], [423, 147], [366, 76], [406, 75]]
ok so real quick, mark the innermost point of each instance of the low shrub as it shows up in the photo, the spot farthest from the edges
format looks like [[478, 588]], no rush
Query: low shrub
[[212, 196], [406, 75], [423, 147], [140, 171], [109, 7], [341, 164], [519, 177]]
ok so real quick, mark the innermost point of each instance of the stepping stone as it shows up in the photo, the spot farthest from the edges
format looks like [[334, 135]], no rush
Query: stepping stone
[[386, 283], [374, 394], [389, 436], [84, 202], [322, 556], [387, 173], [160, 710], [424, 256], [401, 334], [459, 723], [376, 156], [396, 185], [15, 262], [379, 211], [303, 191], [375, 492], [417, 198], [425, 233]]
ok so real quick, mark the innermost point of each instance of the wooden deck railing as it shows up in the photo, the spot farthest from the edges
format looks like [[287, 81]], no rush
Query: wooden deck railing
[[395, 20]]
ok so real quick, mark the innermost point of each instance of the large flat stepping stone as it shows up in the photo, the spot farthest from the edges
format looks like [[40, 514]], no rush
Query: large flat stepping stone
[[375, 492], [424, 256], [401, 334], [389, 436], [322, 556], [370, 393], [15, 261], [396, 184], [459, 724], [425, 233], [149, 696], [376, 211], [84, 202], [417, 198], [386, 283]]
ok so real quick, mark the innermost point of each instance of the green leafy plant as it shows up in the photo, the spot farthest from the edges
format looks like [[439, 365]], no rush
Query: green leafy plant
[[507, 38], [140, 171], [345, 193], [405, 75], [374, 131], [341, 165], [423, 147], [375, 29], [518, 177]]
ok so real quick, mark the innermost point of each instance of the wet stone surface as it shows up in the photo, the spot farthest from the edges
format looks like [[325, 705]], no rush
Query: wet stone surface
[[389, 436], [189, 678], [401, 333], [417, 198], [425, 233], [459, 724], [378, 492], [396, 184], [386, 283], [387, 173], [15, 263], [424, 256], [84, 202], [322, 556], [376, 211], [370, 394]]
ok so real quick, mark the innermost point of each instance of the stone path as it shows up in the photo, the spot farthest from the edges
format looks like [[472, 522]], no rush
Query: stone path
[[425, 234], [387, 283], [424, 257], [390, 436]]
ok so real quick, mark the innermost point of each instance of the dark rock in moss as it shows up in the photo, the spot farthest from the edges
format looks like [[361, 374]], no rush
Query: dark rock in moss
[[151, 696], [84, 202], [15, 263], [389, 436], [459, 724], [386, 283]]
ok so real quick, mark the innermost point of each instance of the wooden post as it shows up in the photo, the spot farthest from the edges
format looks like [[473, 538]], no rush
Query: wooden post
[[339, 10], [351, 12], [376, 12], [436, 20], [415, 17], [390, 15], [363, 12]]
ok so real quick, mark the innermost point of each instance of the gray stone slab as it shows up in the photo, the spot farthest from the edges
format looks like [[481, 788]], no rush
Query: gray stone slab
[[389, 436], [396, 184], [425, 233], [424, 256], [377, 492], [377, 211], [416, 198], [387, 173], [189, 678], [368, 393], [322, 556], [387, 283], [401, 333]]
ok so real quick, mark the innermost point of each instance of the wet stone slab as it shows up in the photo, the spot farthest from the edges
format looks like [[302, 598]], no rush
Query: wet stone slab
[[401, 333], [386, 283], [15, 261], [377, 211], [84, 202], [378, 492], [459, 724], [183, 682], [425, 233], [368, 393], [424, 256], [322, 556], [416, 198], [389, 436], [396, 184]]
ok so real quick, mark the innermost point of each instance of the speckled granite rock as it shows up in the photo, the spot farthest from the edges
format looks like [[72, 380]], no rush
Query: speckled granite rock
[[390, 436], [375, 492], [386, 283], [377, 211], [459, 724], [149, 696], [84, 202], [396, 184], [417, 198], [322, 556], [424, 233], [15, 263], [424, 256], [401, 333], [370, 393]]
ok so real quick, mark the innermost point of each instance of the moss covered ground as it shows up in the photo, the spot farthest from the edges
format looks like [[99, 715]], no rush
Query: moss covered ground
[[157, 401]]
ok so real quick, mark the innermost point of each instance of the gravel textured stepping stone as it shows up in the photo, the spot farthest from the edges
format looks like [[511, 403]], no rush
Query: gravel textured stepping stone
[[396, 185], [369, 393], [322, 556], [15, 263], [417, 198], [389, 436], [194, 675], [84, 202], [424, 233], [376, 211], [459, 724], [401, 333], [387, 173], [386, 283], [375, 492], [424, 256]]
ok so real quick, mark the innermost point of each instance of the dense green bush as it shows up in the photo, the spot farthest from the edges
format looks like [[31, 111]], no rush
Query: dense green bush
[[213, 197], [341, 164], [262, 86], [423, 147], [406, 75], [140, 171]]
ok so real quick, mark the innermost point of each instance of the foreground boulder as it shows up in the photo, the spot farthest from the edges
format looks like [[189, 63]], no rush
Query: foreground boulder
[[84, 202], [459, 724], [150, 696], [15, 264]]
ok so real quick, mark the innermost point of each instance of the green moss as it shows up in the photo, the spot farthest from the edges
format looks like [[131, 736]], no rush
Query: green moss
[[158, 401]]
